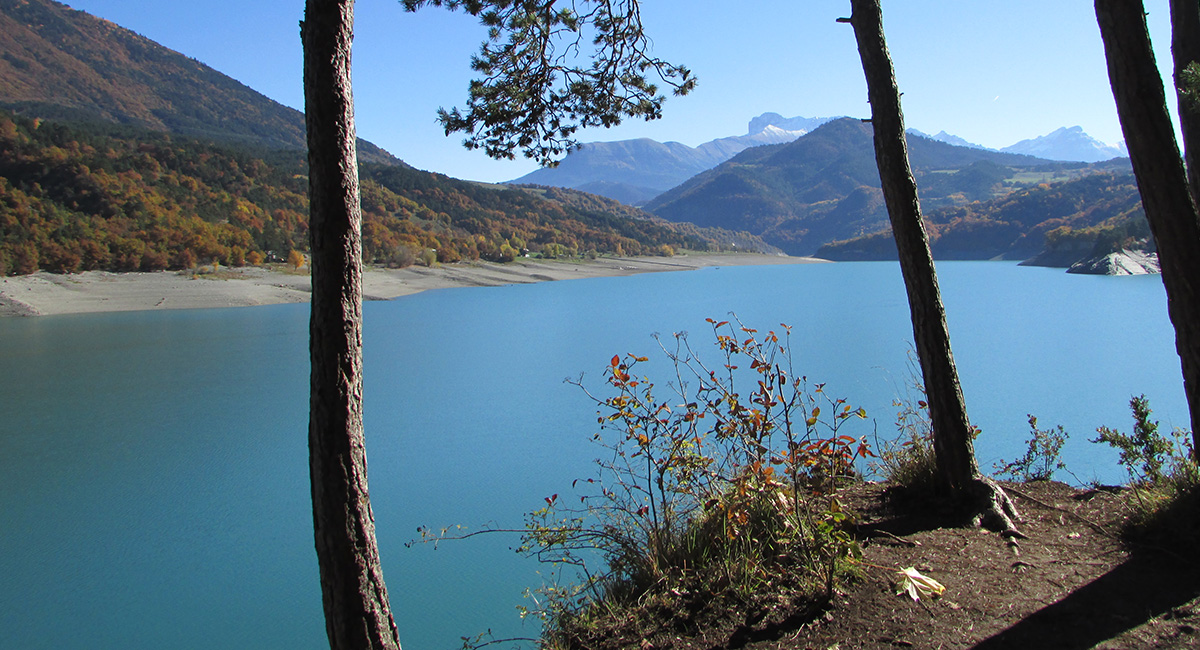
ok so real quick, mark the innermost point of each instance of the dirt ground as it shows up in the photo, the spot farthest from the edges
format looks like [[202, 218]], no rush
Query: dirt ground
[[1071, 584]]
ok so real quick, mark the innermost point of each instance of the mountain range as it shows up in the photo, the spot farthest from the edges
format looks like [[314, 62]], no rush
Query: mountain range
[[1068, 144], [824, 186], [635, 171]]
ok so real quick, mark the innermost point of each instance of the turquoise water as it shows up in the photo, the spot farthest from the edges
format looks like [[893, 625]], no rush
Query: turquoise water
[[153, 466]]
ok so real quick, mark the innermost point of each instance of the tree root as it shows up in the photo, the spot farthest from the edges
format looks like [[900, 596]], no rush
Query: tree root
[[1093, 525], [994, 510]]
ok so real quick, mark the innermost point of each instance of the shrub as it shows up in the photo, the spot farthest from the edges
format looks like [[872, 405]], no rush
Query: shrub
[[1165, 494], [24, 259], [705, 490], [1144, 453], [295, 259], [1043, 455], [429, 257], [184, 259], [154, 260], [507, 253]]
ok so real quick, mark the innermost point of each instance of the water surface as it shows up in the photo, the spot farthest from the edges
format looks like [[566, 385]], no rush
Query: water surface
[[153, 466]]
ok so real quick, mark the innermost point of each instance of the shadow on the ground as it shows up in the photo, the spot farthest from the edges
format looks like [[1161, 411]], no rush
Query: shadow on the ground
[[1152, 583], [903, 514], [1145, 586]]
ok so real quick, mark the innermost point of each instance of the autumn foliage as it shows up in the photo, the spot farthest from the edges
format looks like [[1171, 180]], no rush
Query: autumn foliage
[[122, 199], [73, 201], [725, 480]]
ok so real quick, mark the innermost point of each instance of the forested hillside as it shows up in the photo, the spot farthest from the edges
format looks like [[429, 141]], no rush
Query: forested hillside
[[1066, 220], [63, 64], [75, 199]]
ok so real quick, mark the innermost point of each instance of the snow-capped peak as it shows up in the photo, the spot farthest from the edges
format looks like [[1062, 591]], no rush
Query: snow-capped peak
[[1068, 143]]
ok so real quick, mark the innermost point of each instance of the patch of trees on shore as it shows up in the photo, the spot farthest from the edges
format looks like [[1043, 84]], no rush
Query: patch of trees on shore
[[77, 197], [1063, 221]]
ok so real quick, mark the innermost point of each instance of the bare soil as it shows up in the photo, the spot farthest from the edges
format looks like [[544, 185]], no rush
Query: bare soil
[[1072, 584]]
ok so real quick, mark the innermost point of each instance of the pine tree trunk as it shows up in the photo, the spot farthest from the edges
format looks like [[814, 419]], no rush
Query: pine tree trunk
[[1161, 178], [952, 432], [357, 614], [953, 439], [1185, 49]]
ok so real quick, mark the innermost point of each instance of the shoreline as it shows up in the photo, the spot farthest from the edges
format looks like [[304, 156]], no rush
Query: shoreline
[[50, 294]]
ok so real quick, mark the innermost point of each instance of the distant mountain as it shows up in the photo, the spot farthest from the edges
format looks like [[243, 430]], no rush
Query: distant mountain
[[1065, 144], [942, 136], [628, 170], [633, 171], [63, 64], [804, 124], [1068, 144], [825, 186]]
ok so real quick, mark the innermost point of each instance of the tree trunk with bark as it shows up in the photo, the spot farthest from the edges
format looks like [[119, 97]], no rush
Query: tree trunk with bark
[[1185, 49], [357, 614], [1161, 178], [953, 436]]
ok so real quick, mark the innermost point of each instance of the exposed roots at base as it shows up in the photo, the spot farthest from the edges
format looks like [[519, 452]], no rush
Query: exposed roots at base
[[994, 510]]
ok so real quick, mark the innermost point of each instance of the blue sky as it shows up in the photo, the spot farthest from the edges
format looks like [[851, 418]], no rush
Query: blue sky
[[991, 72]]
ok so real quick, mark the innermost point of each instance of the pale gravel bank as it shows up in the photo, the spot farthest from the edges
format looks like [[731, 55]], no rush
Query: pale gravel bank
[[47, 294]]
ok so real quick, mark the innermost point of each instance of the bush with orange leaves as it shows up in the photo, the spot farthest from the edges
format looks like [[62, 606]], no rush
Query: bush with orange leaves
[[727, 477]]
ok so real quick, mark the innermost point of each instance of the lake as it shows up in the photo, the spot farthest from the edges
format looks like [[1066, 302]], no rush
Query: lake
[[153, 466]]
